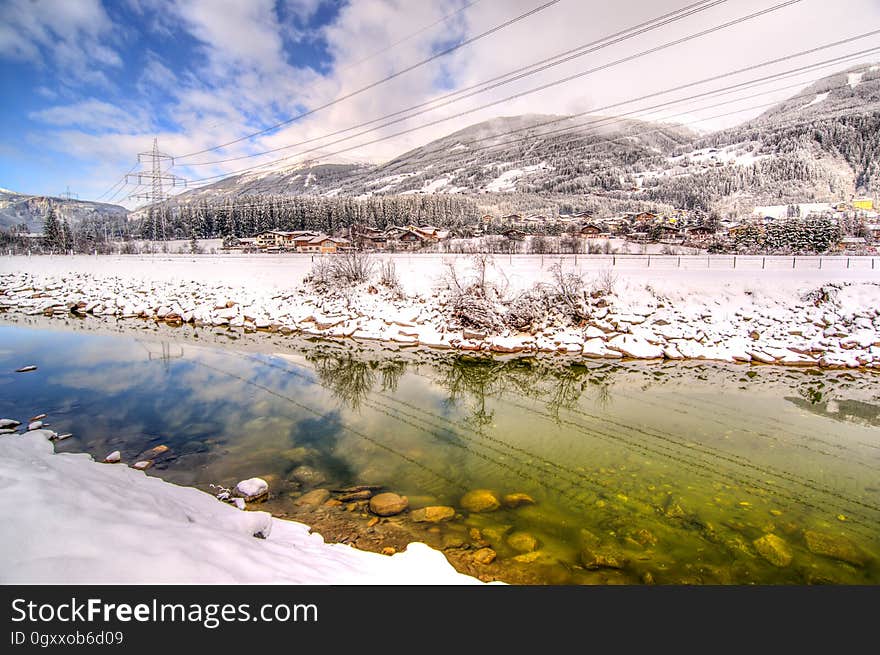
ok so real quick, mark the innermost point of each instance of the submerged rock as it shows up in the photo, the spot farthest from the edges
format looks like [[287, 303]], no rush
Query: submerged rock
[[602, 558], [774, 550], [835, 547], [480, 500], [522, 542], [363, 494], [517, 499], [433, 514], [307, 475], [313, 498], [152, 453], [252, 489], [388, 504]]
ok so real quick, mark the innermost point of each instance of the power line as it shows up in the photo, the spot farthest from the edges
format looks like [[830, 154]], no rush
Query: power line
[[619, 117], [410, 36], [383, 50], [544, 64], [120, 181], [373, 85], [546, 86]]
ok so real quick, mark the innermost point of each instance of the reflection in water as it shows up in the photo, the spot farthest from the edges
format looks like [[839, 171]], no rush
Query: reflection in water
[[676, 472]]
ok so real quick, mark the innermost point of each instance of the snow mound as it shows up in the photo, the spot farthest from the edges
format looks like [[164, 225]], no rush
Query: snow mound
[[75, 521]]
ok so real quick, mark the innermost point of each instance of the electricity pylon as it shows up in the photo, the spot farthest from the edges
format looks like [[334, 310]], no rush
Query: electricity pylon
[[154, 178]]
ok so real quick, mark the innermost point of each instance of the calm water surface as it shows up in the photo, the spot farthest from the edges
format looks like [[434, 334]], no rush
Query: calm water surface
[[672, 473]]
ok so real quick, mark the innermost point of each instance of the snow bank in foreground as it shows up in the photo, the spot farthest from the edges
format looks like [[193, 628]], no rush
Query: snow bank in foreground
[[70, 520]]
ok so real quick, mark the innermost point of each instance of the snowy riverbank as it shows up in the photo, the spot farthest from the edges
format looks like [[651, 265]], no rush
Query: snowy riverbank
[[70, 520], [827, 317]]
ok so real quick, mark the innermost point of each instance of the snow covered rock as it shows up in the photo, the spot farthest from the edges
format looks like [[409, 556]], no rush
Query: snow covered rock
[[635, 347], [252, 489], [113, 458]]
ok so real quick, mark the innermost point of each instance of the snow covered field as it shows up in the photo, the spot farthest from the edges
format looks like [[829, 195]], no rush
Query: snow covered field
[[666, 307], [70, 520]]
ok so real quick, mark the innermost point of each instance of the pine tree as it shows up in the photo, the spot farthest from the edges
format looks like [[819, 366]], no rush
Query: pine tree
[[52, 230], [66, 241]]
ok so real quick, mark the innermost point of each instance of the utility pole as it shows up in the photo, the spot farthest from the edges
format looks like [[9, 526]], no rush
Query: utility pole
[[153, 179]]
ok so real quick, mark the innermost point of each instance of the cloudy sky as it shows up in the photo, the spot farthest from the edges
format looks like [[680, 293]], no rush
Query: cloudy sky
[[88, 84]]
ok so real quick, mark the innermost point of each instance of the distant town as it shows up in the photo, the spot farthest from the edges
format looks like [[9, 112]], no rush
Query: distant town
[[846, 227]]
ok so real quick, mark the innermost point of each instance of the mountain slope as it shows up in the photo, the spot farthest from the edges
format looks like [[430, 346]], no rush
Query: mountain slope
[[21, 209], [821, 144]]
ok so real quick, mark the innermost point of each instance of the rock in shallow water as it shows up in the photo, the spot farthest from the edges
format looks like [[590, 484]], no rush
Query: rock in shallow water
[[252, 489], [308, 476], [142, 465], [313, 498], [388, 504], [517, 499], [522, 542], [480, 500], [835, 547], [113, 457], [433, 514], [774, 550], [26, 369], [9, 423]]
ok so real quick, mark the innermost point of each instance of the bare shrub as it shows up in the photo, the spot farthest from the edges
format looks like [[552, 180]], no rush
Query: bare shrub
[[528, 309], [568, 289], [352, 267], [388, 277], [606, 281], [474, 298], [593, 248], [388, 274], [476, 311], [321, 271]]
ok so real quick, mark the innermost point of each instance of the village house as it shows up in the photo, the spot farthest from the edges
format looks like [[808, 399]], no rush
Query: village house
[[324, 245], [405, 238], [590, 231], [699, 233], [271, 239], [642, 217], [852, 244]]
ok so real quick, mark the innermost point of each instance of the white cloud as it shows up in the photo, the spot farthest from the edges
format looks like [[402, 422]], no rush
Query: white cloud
[[92, 114], [71, 35], [244, 78]]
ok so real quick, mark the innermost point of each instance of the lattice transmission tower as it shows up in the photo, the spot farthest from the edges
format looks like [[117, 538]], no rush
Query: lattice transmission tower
[[155, 180]]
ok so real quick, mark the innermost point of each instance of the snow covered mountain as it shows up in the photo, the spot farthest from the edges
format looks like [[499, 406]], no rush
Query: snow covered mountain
[[821, 144], [21, 209]]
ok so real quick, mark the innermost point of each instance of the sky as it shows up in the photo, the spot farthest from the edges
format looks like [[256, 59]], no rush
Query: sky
[[89, 84]]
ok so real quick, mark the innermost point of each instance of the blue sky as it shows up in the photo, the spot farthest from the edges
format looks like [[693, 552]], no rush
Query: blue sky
[[89, 83], [91, 68]]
